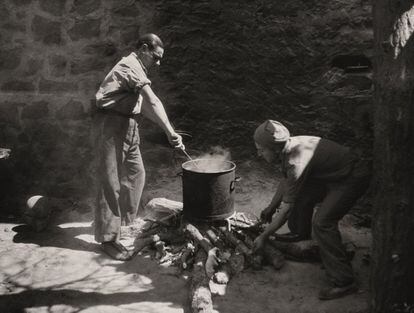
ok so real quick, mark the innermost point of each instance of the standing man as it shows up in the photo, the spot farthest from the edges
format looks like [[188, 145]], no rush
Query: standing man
[[124, 93], [316, 170]]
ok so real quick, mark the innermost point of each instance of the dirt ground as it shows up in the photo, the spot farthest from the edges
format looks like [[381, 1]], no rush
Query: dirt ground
[[62, 269]]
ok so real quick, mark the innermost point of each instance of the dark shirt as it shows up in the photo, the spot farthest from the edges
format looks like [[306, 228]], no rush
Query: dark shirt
[[308, 157]]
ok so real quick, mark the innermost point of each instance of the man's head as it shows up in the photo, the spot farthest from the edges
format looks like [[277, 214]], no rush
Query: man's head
[[270, 138], [150, 50]]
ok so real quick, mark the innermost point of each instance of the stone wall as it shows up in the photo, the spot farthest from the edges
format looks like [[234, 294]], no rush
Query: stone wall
[[228, 66], [53, 55], [302, 62]]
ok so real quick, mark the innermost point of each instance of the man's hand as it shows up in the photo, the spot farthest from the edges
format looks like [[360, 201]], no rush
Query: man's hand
[[176, 141], [258, 244], [266, 214]]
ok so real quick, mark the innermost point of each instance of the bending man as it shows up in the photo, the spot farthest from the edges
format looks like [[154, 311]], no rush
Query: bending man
[[316, 170]]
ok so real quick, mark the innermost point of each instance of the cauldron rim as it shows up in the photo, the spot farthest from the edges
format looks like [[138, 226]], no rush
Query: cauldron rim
[[232, 166]]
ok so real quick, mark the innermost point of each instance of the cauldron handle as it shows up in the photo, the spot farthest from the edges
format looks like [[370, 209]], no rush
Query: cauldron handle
[[233, 182]]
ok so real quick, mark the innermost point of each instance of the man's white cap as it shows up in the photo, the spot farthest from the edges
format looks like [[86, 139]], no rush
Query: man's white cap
[[271, 132]]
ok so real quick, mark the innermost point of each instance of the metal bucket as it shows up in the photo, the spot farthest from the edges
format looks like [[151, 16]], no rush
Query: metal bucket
[[208, 189]]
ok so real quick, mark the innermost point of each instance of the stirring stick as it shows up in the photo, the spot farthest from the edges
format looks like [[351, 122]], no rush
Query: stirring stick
[[188, 156]]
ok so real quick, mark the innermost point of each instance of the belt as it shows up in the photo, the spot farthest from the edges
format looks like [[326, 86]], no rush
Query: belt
[[113, 112]]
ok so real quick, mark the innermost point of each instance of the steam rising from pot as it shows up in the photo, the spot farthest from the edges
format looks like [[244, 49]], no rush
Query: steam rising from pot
[[214, 161]]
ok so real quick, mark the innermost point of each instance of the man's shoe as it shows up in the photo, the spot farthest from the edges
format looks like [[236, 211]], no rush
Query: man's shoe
[[337, 292], [116, 251]]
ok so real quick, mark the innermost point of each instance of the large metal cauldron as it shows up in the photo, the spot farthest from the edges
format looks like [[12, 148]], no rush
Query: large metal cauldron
[[208, 189]]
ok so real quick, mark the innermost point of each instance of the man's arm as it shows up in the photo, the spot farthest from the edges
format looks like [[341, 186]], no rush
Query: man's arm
[[267, 213], [153, 109], [279, 219], [277, 222]]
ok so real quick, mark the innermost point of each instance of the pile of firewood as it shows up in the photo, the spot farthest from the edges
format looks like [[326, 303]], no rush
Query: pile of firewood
[[212, 252]]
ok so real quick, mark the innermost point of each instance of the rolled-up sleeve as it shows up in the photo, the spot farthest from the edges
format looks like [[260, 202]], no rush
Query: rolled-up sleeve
[[121, 87], [134, 81]]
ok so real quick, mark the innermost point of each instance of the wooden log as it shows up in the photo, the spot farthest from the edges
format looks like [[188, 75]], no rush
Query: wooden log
[[212, 261], [195, 234], [305, 251], [269, 255], [141, 243], [235, 242], [168, 234], [186, 255], [161, 250], [245, 238], [223, 274], [273, 256], [236, 263], [149, 232], [214, 238], [163, 205], [200, 294], [256, 261], [172, 236]]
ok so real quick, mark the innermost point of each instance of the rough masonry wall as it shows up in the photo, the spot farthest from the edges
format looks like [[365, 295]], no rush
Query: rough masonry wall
[[238, 63], [228, 66], [53, 55]]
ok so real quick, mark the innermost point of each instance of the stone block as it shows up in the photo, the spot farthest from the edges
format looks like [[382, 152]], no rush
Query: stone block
[[31, 66], [47, 31], [57, 65], [9, 112], [104, 49], [84, 7], [17, 85], [131, 11], [4, 12], [14, 27], [50, 86], [130, 34], [10, 59], [85, 29], [73, 110], [21, 15], [37, 110], [21, 2], [86, 65], [53, 7]]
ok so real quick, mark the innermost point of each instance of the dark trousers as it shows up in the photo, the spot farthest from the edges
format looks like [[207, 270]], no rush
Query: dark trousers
[[121, 176], [336, 199]]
